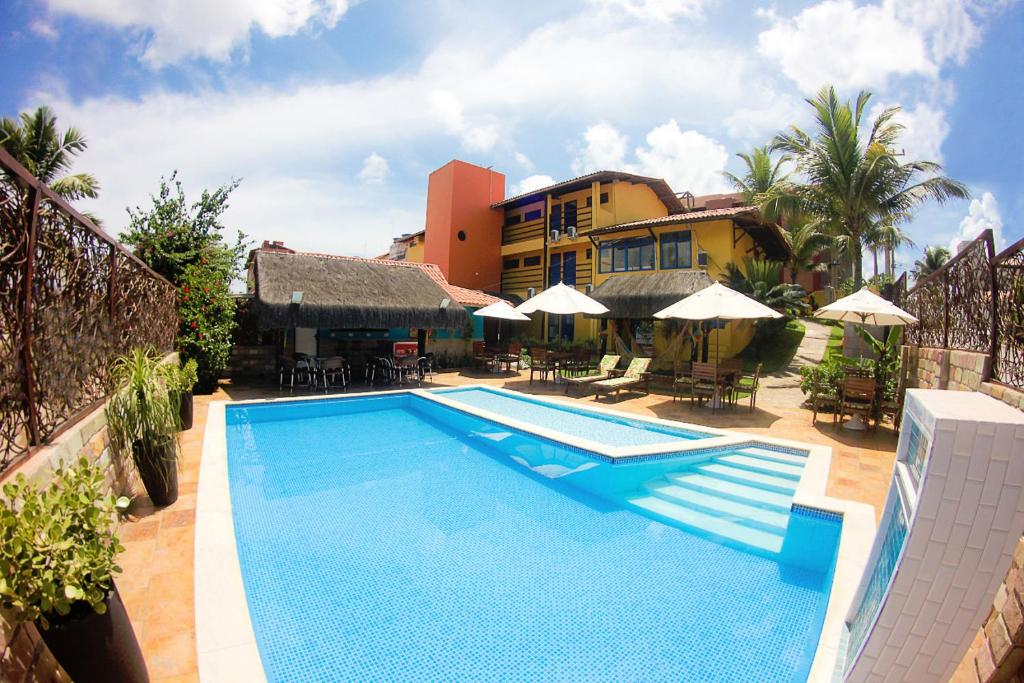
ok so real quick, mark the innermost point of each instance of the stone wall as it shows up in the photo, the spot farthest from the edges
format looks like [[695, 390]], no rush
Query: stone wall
[[252, 361], [999, 655]]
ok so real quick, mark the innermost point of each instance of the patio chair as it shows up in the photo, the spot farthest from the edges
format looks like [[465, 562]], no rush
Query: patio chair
[[288, 367], [426, 367], [858, 397], [605, 369], [541, 362], [892, 406], [636, 375], [332, 370], [703, 382], [748, 383], [683, 383], [824, 397], [483, 360]]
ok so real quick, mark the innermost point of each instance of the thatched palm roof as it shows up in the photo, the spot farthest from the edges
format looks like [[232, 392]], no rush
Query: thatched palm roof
[[643, 295], [340, 292]]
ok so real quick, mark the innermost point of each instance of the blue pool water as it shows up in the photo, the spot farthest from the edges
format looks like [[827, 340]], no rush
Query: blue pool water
[[600, 428], [392, 539]]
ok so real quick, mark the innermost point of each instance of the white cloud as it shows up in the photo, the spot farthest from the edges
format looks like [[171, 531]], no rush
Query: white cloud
[[604, 148], [851, 46], [524, 161], [925, 130], [375, 170], [655, 10], [688, 160], [983, 214], [176, 29], [44, 29], [529, 184]]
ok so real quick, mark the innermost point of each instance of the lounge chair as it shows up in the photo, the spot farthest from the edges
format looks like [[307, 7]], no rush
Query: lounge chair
[[604, 371], [636, 374]]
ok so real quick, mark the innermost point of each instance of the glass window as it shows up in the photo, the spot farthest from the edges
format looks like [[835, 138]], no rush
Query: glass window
[[532, 215], [627, 255], [556, 217], [531, 261], [676, 250], [569, 267], [570, 214], [510, 263], [604, 197], [555, 269], [513, 219]]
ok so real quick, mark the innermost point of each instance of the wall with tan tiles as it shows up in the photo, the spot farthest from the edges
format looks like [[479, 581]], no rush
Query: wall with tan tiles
[[999, 651]]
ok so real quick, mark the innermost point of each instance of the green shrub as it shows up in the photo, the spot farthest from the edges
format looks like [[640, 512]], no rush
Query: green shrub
[[57, 543]]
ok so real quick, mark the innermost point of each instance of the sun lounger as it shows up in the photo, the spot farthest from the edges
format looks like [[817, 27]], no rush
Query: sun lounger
[[636, 374], [604, 371]]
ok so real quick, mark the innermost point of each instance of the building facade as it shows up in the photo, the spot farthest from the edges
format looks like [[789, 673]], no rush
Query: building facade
[[584, 232]]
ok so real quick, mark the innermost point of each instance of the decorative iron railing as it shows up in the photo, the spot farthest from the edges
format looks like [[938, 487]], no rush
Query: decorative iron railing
[[71, 299], [975, 303]]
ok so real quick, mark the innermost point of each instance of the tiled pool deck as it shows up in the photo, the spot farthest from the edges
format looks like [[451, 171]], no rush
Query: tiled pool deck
[[158, 585]]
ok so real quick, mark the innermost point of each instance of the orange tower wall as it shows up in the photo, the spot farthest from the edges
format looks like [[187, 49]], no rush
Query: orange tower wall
[[459, 198]]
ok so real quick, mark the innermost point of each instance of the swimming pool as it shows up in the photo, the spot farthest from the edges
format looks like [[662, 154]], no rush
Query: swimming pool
[[394, 538], [602, 428]]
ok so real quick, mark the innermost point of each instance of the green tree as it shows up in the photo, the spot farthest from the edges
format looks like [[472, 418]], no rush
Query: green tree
[[48, 153], [185, 243], [933, 259], [761, 280], [763, 176], [805, 242], [850, 180], [887, 238]]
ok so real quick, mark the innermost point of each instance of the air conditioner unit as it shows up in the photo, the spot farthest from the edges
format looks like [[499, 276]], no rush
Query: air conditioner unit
[[702, 258], [587, 289], [571, 232], [555, 235], [531, 292]]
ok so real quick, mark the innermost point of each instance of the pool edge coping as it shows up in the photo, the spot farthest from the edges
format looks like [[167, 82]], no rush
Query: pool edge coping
[[225, 636]]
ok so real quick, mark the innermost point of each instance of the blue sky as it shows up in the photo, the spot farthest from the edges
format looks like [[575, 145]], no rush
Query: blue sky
[[333, 113]]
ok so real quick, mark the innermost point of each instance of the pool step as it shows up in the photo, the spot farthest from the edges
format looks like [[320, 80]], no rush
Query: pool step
[[746, 476], [750, 495], [709, 524], [799, 460], [723, 508], [764, 465]]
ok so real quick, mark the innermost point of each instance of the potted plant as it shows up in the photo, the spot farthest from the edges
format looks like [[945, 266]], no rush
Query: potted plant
[[184, 382], [143, 418], [58, 557]]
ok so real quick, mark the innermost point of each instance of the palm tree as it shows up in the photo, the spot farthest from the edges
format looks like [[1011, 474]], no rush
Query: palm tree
[[934, 258], [762, 174], [887, 238], [805, 243], [47, 153], [853, 181], [761, 280]]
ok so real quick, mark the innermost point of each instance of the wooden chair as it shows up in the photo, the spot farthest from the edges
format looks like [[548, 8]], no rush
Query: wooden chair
[[483, 360], [683, 381], [704, 382], [858, 397], [732, 368], [824, 396], [748, 383], [541, 363], [636, 374], [892, 406]]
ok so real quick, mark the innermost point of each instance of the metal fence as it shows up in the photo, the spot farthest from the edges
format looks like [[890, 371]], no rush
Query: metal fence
[[974, 303], [71, 300]]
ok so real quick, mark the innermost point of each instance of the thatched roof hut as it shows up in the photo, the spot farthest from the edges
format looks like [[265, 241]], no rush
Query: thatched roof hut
[[342, 292], [640, 296]]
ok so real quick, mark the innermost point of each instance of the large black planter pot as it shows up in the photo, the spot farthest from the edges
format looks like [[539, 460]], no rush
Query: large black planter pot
[[97, 648], [158, 469], [185, 411]]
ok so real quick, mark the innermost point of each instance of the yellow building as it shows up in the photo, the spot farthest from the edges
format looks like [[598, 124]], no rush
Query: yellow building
[[633, 244], [408, 247]]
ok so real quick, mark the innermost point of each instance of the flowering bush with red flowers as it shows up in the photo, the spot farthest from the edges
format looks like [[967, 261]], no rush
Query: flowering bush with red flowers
[[184, 243]]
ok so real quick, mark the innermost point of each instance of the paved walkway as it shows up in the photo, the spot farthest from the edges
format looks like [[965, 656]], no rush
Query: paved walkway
[[784, 386]]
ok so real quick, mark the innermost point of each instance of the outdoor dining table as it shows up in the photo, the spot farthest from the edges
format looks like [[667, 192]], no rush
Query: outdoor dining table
[[722, 380], [506, 359]]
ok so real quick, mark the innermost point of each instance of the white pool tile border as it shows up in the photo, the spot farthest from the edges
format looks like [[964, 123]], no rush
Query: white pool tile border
[[226, 642]]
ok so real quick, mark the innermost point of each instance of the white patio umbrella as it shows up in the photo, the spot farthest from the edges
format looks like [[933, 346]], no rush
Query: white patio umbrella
[[867, 308], [561, 299], [717, 302], [501, 310]]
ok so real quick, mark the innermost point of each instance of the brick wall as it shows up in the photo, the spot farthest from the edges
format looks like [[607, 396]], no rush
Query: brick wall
[[998, 651]]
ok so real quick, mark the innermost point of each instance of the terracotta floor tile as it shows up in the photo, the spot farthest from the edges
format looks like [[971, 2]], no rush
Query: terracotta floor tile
[[178, 518], [173, 655], [139, 531]]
